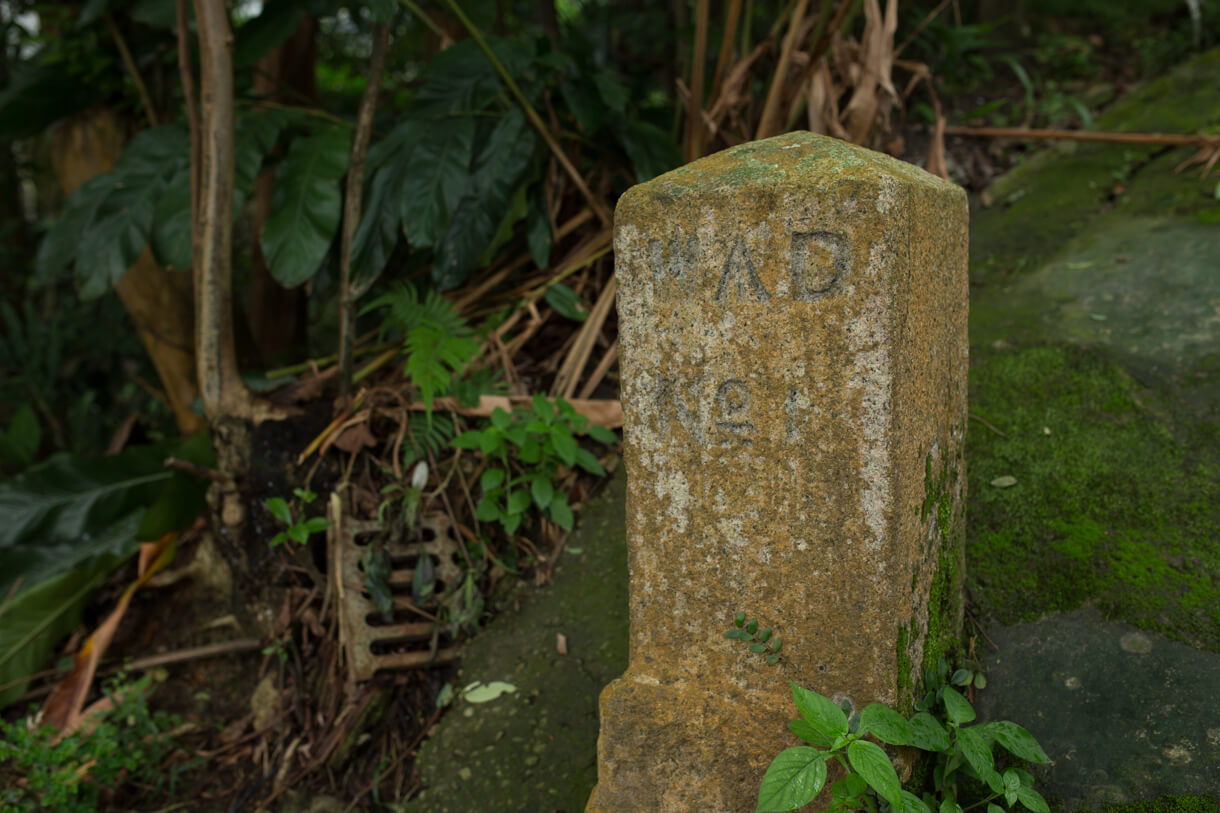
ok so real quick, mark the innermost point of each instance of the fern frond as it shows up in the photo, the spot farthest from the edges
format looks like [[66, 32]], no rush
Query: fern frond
[[425, 436]]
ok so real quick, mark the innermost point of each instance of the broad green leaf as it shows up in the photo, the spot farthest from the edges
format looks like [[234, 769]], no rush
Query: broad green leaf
[[60, 244], [470, 439], [1016, 740], [510, 522], [170, 236], [849, 789], [501, 164], [977, 752], [801, 728], [487, 510], [586, 460], [792, 780], [279, 509], [500, 418], [542, 490], [887, 725], [20, 442], [820, 712], [118, 234], [542, 408], [461, 79], [518, 501], [612, 91], [437, 173], [602, 435], [33, 622], [377, 233], [564, 443], [122, 222], [266, 32], [1032, 799], [929, 734], [566, 302], [581, 97], [315, 525], [874, 767], [66, 497], [957, 707], [561, 512], [650, 149], [305, 205], [491, 478], [254, 136], [950, 806], [43, 560], [961, 677], [913, 804]]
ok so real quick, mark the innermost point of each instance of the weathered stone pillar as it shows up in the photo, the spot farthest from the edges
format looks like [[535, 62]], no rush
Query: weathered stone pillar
[[792, 321]]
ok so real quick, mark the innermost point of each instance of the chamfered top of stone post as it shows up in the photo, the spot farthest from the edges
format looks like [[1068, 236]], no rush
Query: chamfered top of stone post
[[791, 160]]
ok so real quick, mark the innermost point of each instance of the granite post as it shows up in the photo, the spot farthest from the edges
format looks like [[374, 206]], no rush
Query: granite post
[[792, 317]]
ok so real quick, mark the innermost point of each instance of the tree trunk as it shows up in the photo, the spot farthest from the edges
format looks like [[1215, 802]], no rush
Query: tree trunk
[[157, 300], [220, 384]]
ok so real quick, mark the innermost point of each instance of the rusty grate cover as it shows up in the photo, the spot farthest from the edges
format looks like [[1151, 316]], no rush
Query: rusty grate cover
[[370, 644]]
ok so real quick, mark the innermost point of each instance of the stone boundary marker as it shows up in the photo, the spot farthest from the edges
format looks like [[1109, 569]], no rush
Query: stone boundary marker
[[792, 321]]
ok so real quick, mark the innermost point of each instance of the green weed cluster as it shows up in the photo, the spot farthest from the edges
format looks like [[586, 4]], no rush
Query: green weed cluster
[[125, 751]]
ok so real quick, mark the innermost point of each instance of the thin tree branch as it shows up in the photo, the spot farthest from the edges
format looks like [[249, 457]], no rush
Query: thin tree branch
[[149, 111], [192, 115], [352, 201]]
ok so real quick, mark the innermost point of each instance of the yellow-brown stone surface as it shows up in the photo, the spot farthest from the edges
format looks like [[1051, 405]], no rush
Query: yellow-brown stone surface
[[793, 347]]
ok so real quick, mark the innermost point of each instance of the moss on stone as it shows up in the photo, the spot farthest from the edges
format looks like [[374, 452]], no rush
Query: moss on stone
[[1109, 508], [1186, 803]]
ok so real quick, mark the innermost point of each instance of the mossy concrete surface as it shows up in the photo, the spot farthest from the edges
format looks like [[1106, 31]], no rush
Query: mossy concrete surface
[[1125, 714], [1095, 380], [534, 750]]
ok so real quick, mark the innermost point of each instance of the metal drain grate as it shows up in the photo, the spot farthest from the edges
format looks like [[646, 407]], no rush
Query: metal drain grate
[[370, 644]]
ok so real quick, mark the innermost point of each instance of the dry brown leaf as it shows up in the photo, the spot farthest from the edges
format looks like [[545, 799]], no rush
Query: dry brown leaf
[[355, 437], [607, 413], [64, 709]]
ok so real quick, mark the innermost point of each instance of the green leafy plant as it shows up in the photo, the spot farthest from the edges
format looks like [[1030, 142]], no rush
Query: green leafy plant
[[758, 641], [125, 749], [298, 529], [438, 342], [530, 447], [798, 774]]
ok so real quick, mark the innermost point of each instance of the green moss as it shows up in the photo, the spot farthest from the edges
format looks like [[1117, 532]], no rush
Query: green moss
[[1166, 804], [945, 594], [906, 684], [1109, 507]]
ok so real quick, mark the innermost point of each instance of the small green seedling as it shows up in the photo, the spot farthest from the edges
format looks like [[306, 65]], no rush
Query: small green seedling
[[757, 641], [298, 529]]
